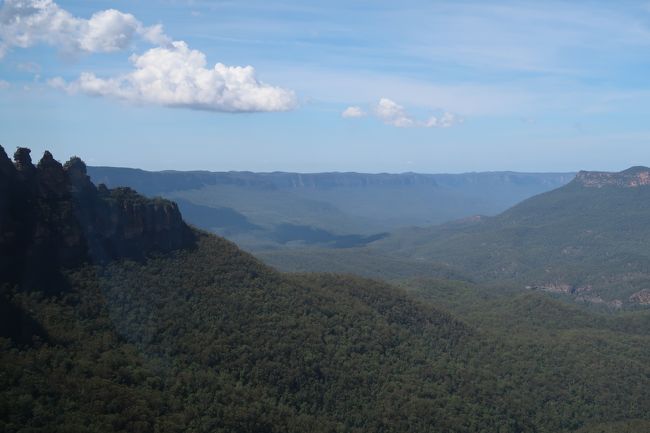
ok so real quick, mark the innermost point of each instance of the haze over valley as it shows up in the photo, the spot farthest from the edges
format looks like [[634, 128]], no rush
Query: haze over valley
[[267, 210], [284, 216]]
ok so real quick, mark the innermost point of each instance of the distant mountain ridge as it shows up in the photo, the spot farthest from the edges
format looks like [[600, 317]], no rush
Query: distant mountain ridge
[[172, 180], [587, 239], [274, 210], [630, 178]]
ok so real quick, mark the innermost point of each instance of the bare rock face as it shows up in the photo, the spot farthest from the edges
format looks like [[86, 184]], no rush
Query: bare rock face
[[53, 217], [8, 195], [562, 288], [583, 294], [557, 288], [641, 297], [630, 178], [23, 161]]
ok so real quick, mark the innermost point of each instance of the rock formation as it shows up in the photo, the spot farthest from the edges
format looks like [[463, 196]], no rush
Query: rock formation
[[641, 297], [52, 217], [630, 178]]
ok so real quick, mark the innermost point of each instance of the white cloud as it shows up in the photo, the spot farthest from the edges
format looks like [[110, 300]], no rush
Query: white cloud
[[177, 76], [4, 84], [171, 74], [112, 30], [57, 83], [394, 114], [445, 121], [353, 112], [25, 23], [391, 113]]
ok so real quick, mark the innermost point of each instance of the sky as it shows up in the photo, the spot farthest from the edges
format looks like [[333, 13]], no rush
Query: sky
[[368, 86]]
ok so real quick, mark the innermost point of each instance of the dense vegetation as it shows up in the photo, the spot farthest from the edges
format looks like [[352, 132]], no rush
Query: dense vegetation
[[199, 336], [211, 340], [365, 262], [583, 237], [588, 242]]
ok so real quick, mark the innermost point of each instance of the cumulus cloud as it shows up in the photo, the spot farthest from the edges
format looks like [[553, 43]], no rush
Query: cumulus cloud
[[353, 112], [391, 113], [170, 74], [177, 76], [25, 23], [445, 121], [394, 114]]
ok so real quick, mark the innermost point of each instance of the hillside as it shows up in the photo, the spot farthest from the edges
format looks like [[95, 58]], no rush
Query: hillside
[[210, 340], [271, 210], [587, 239], [203, 337]]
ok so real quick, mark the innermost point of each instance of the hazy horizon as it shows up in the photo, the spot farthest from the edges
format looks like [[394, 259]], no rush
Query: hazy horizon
[[340, 172], [364, 86]]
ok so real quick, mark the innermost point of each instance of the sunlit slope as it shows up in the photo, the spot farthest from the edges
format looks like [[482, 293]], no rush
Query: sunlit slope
[[589, 238]]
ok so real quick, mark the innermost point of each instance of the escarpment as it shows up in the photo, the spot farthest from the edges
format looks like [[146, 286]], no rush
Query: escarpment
[[630, 178], [52, 217]]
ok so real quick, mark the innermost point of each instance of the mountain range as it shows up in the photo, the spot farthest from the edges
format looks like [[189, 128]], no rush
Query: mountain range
[[275, 210], [579, 235], [152, 325], [586, 239]]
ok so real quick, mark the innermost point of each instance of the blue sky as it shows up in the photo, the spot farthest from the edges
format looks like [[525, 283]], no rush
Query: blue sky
[[429, 86]]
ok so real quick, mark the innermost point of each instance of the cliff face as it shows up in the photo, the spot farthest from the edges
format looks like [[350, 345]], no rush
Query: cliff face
[[52, 216], [630, 178], [157, 182]]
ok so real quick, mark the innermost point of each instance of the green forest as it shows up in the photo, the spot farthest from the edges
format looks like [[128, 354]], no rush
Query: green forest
[[117, 316], [324, 217], [208, 339], [588, 242]]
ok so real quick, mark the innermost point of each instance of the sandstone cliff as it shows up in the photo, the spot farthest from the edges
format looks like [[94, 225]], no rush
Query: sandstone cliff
[[52, 217], [630, 178]]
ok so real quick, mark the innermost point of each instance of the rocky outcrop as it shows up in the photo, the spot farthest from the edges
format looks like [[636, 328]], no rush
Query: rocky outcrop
[[561, 288], [584, 294], [53, 217], [641, 297], [631, 178]]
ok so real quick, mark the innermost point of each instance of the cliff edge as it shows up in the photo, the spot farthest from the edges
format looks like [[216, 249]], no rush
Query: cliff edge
[[52, 217], [631, 178]]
